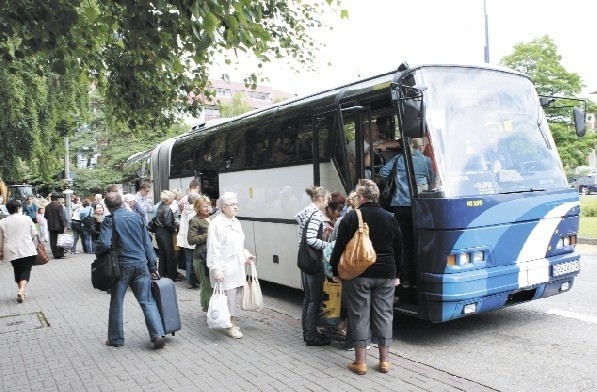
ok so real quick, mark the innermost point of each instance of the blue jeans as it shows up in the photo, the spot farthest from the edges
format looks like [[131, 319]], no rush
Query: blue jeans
[[313, 286], [135, 275], [188, 254]]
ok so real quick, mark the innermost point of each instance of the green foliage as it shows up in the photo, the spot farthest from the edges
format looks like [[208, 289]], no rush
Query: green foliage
[[238, 106], [148, 57]]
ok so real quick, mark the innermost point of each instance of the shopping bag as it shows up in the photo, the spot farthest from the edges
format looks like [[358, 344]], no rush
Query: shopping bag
[[252, 299], [330, 307], [218, 315], [64, 241]]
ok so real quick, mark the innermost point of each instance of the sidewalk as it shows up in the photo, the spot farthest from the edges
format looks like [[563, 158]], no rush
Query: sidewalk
[[54, 341]]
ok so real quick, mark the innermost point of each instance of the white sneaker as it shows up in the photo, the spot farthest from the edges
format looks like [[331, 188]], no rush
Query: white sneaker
[[234, 332]]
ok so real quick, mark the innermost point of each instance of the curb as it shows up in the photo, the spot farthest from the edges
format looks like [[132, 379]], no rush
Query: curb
[[588, 241]]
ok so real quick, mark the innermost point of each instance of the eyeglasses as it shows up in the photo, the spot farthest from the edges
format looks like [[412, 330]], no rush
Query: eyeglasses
[[231, 205]]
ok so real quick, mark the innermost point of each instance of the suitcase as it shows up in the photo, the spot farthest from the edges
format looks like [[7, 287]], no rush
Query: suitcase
[[164, 292]]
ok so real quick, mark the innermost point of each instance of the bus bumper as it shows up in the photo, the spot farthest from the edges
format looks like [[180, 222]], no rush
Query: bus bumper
[[445, 297]]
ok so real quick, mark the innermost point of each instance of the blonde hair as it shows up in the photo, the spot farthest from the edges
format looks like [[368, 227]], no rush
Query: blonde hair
[[317, 193], [167, 195], [201, 200], [351, 201]]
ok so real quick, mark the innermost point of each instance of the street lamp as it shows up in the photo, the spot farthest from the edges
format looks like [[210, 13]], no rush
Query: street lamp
[[486, 32]]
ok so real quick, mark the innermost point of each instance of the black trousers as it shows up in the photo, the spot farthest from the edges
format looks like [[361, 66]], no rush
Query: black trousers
[[56, 251], [22, 268], [167, 265], [408, 274]]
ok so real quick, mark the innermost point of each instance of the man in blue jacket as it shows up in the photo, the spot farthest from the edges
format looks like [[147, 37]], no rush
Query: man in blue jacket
[[137, 262]]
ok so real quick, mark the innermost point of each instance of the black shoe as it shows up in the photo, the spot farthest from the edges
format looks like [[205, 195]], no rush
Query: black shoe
[[318, 341], [159, 342]]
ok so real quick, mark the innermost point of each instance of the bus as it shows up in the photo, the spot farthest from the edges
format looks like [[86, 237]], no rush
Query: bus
[[483, 238]]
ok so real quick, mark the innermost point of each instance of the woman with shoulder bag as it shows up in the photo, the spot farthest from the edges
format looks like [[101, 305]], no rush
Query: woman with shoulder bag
[[16, 245], [370, 296], [197, 236], [310, 221]]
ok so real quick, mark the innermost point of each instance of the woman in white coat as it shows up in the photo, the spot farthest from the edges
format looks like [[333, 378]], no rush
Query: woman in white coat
[[16, 245], [226, 254]]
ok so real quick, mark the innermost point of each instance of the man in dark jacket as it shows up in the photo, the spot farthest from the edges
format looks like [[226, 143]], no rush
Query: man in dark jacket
[[56, 223], [137, 262]]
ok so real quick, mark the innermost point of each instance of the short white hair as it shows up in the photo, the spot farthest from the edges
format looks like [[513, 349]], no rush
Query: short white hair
[[226, 197]]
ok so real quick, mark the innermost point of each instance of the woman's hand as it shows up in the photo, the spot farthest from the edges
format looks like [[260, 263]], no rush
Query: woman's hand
[[251, 259], [396, 282], [219, 278]]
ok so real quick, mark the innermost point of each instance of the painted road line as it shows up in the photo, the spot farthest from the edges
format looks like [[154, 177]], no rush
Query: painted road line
[[578, 316]]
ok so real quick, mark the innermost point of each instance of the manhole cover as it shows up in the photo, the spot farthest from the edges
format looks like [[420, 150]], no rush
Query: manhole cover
[[19, 322]]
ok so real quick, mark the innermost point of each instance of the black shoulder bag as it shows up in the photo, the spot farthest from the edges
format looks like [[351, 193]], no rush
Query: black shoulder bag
[[385, 198], [105, 270], [309, 259]]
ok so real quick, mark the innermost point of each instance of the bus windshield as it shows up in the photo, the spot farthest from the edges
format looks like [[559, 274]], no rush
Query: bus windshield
[[488, 133]]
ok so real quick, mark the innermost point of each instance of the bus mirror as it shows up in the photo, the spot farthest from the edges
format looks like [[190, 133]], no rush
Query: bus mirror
[[579, 121], [413, 112]]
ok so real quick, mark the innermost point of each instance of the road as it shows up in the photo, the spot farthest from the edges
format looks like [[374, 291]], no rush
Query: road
[[544, 345]]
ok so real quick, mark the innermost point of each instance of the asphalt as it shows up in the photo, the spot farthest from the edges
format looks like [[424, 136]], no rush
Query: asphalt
[[54, 341]]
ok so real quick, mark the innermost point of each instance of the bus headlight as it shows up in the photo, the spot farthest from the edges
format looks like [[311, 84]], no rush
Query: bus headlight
[[478, 256], [463, 258]]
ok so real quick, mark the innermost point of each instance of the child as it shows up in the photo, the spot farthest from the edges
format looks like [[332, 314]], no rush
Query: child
[[43, 225]]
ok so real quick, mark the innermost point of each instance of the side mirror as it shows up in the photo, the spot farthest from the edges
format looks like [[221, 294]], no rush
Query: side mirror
[[579, 122], [413, 113]]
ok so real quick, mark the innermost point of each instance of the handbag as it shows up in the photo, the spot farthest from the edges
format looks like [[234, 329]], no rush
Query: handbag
[[218, 315], [252, 299], [309, 259], [64, 241], [358, 254], [105, 270], [41, 257], [387, 194]]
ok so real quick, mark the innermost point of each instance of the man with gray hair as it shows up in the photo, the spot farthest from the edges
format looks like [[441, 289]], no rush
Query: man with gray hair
[[137, 262]]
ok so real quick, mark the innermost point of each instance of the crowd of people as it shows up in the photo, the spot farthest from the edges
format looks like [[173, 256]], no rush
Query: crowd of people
[[211, 240]]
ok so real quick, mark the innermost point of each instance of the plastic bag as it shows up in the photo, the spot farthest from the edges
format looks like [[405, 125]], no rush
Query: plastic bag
[[64, 241], [332, 300], [252, 299], [218, 315]]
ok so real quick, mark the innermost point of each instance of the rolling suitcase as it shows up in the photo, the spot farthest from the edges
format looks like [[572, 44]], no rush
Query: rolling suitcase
[[164, 292]]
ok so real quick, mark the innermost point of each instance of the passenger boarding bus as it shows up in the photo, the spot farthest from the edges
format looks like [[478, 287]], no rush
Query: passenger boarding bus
[[485, 237]]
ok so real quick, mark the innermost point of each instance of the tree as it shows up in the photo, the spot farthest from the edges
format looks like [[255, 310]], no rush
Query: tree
[[149, 56], [238, 106], [540, 60]]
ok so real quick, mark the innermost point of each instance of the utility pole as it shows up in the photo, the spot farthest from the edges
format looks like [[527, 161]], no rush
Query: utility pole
[[486, 32], [67, 192]]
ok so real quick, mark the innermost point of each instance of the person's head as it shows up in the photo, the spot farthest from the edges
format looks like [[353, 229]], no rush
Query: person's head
[[335, 205], [192, 197], [318, 195], [167, 197], [99, 208], [29, 199], [76, 199], [194, 186], [383, 124], [177, 193], [371, 129], [229, 204], [111, 188], [98, 197], [12, 206], [113, 200], [202, 206], [129, 199], [144, 188], [417, 143], [85, 203], [367, 190], [54, 196], [41, 211]]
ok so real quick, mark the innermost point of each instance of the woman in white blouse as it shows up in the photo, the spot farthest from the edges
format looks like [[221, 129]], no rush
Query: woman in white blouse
[[226, 254]]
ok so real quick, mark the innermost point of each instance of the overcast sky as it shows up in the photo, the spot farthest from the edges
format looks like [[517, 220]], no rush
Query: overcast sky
[[380, 34]]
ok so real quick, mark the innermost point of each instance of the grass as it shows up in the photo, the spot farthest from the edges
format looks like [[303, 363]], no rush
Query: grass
[[588, 218]]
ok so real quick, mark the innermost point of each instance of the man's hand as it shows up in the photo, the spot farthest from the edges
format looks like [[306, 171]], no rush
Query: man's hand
[[155, 275]]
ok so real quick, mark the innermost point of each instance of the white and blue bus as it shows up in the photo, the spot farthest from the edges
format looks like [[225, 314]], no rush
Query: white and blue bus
[[484, 238]]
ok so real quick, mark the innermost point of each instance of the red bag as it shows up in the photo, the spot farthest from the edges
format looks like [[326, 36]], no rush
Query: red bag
[[41, 257]]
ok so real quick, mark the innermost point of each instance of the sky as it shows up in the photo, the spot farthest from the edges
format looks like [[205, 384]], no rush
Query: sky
[[380, 34]]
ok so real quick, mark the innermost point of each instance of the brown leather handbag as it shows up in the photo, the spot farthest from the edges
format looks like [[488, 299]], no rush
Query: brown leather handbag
[[41, 257], [358, 254]]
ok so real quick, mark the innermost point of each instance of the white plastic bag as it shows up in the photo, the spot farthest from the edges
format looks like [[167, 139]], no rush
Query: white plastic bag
[[218, 315], [64, 241], [252, 299]]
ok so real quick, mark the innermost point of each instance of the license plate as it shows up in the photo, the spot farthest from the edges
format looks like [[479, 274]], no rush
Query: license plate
[[565, 268]]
